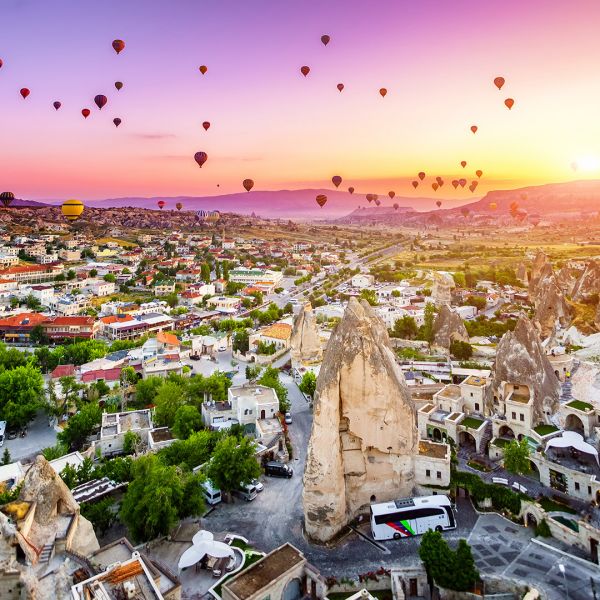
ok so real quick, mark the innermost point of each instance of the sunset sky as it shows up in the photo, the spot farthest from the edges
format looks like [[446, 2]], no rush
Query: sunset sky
[[436, 58]]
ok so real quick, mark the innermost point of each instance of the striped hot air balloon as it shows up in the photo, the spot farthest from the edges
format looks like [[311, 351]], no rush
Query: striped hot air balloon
[[72, 209], [6, 198]]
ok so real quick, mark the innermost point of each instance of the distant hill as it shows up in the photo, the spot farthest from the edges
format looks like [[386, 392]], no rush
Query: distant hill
[[28, 203]]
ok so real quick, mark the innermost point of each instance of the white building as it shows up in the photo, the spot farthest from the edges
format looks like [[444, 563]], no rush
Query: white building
[[362, 280], [255, 276]]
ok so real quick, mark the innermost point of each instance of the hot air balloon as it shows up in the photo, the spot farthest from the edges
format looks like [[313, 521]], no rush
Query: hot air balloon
[[118, 45], [325, 39], [161, 204], [435, 186], [474, 128], [6, 198], [455, 183], [499, 82], [479, 173], [438, 203], [351, 190], [383, 92], [203, 69], [336, 180], [535, 219], [369, 197], [422, 175], [72, 209], [248, 184], [415, 184], [472, 186], [391, 194], [117, 121], [1, 63], [396, 206], [56, 105], [440, 181], [377, 201], [462, 182], [179, 206], [24, 92], [493, 206], [463, 163], [340, 86], [200, 158], [85, 112], [321, 200], [305, 70], [509, 103], [100, 101], [118, 85], [206, 125]]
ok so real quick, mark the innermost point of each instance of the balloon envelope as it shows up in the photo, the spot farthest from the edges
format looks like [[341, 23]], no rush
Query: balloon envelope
[[325, 39], [351, 190], [203, 69], [321, 200], [56, 105], [463, 163], [415, 184], [6, 198], [509, 102], [118, 45], [24, 92], [336, 180], [474, 128], [435, 186], [383, 92], [305, 70], [206, 125], [161, 204], [391, 194], [118, 85], [117, 121], [340, 86], [422, 175], [438, 203], [455, 183], [72, 209], [85, 112], [248, 184], [499, 82], [479, 172], [179, 206], [100, 101], [200, 158]]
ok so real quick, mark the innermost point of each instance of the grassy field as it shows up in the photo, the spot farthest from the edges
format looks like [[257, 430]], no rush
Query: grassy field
[[122, 243]]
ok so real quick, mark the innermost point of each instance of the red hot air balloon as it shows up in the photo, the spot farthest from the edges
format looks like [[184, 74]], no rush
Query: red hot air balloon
[[499, 82], [203, 69], [248, 184], [119, 85], [479, 173], [56, 105], [305, 70], [509, 103], [351, 190], [474, 128], [462, 182], [455, 183], [396, 206], [179, 206], [118, 46], [117, 121], [463, 163], [383, 92], [321, 200], [325, 39], [369, 197], [440, 181], [100, 101], [377, 202], [206, 125], [86, 113], [161, 204], [435, 186], [200, 158], [336, 180], [340, 86], [415, 184], [422, 175], [391, 194], [1, 63], [438, 203], [24, 92]]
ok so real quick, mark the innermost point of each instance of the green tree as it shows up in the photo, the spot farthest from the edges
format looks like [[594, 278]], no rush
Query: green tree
[[205, 272], [270, 378], [461, 350], [146, 390], [465, 574], [93, 272], [71, 275], [6, 459], [187, 421], [405, 328], [241, 341], [131, 442], [516, 457], [128, 376], [191, 453], [308, 385], [426, 330], [479, 302], [110, 278], [172, 299], [233, 463], [102, 514], [32, 303], [370, 296], [80, 426], [437, 558], [168, 399], [21, 394]]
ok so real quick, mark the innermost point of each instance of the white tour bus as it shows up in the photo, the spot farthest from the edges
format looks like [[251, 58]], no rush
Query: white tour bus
[[411, 516]]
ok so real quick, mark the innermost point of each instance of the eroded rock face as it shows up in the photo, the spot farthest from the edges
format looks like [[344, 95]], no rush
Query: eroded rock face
[[597, 317], [551, 309], [447, 327], [545, 278], [520, 359], [443, 284], [540, 260], [522, 275], [588, 284], [364, 433], [566, 279], [306, 342]]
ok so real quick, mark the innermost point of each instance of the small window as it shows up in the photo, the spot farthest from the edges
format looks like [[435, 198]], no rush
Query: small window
[[522, 417], [428, 473], [589, 490], [476, 405], [439, 475], [514, 416], [471, 394], [576, 486]]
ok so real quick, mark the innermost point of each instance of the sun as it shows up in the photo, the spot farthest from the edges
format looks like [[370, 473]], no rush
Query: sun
[[586, 164]]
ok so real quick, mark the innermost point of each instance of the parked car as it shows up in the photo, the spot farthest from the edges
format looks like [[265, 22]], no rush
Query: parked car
[[246, 492], [194, 357], [288, 418], [258, 485], [211, 494], [277, 469], [12, 433]]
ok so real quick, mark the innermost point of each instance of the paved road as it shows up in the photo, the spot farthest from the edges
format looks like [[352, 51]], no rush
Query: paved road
[[39, 436]]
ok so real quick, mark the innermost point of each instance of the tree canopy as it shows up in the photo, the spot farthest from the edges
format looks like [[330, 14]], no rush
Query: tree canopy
[[233, 463]]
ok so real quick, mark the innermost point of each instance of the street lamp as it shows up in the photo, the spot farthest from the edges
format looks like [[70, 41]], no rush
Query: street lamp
[[561, 568]]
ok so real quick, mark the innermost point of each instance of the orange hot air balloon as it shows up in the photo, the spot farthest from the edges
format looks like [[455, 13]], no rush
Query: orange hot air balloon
[[462, 182], [415, 184], [56, 105], [435, 186], [499, 82], [179, 206], [340, 86], [321, 200], [455, 183], [325, 39], [248, 184], [474, 128], [200, 158], [100, 101], [396, 206], [85, 112], [24, 92], [117, 121], [305, 70], [391, 194], [118, 46], [422, 175], [440, 181], [336, 180], [369, 197], [465, 212], [509, 103], [479, 173], [351, 190], [383, 92], [161, 204], [118, 85], [463, 163], [203, 69], [206, 125], [438, 203]]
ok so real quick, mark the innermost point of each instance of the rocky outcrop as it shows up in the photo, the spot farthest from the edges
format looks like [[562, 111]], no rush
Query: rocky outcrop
[[447, 327], [306, 342], [588, 284], [520, 359], [552, 309], [597, 317], [566, 279], [364, 432], [443, 284], [522, 275], [544, 279], [539, 262]]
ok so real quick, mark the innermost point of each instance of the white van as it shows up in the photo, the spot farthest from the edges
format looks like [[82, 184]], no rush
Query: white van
[[246, 492], [212, 495]]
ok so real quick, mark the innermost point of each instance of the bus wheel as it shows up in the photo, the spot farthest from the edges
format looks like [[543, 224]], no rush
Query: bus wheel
[[396, 536], [439, 528]]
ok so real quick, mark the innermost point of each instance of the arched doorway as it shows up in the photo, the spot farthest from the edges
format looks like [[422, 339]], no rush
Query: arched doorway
[[506, 432], [437, 435], [262, 414], [467, 441], [534, 472], [574, 423], [292, 590], [530, 520]]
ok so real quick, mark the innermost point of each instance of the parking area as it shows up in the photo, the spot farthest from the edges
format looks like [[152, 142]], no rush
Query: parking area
[[39, 436]]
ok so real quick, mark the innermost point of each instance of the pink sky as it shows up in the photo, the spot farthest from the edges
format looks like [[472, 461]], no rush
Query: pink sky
[[436, 58]]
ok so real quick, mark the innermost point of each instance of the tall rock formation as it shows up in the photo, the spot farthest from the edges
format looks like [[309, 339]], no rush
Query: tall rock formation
[[566, 279], [597, 317], [522, 275], [520, 359], [551, 309], [306, 342], [588, 284], [540, 260], [364, 433], [447, 327], [443, 284], [544, 278]]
